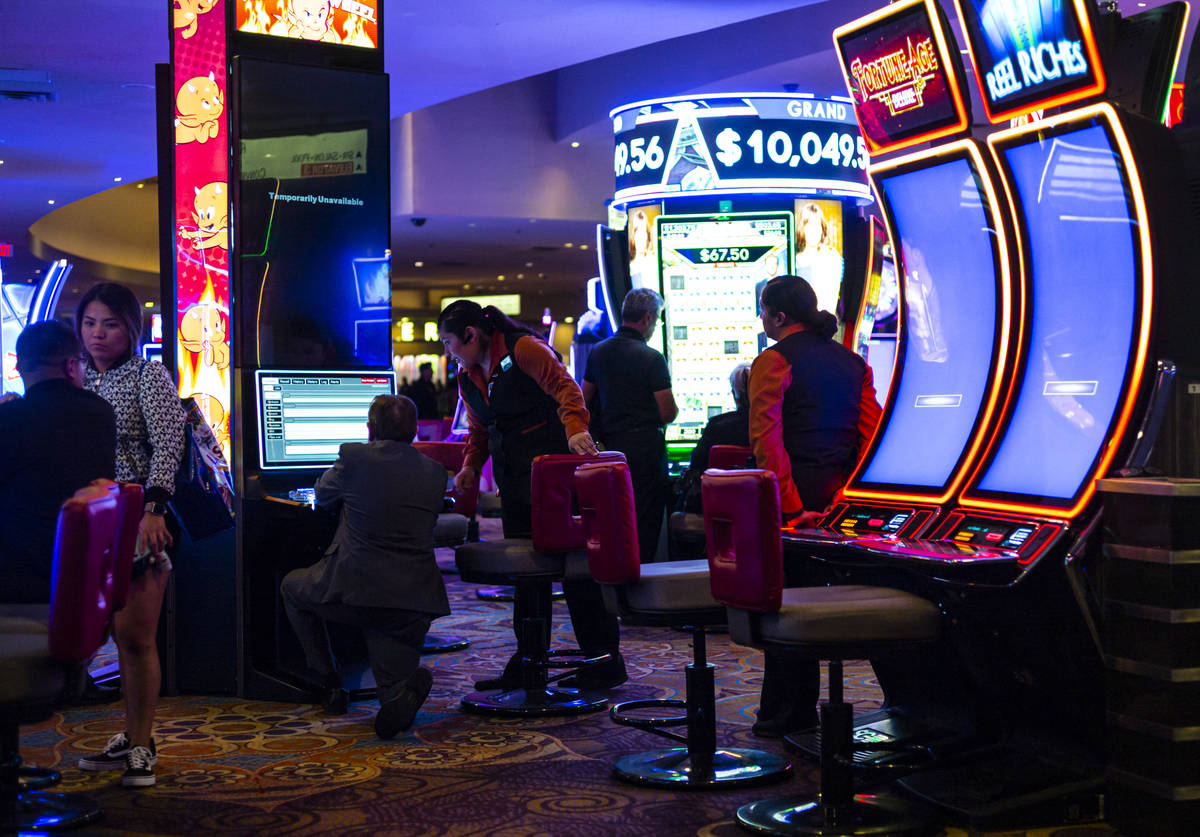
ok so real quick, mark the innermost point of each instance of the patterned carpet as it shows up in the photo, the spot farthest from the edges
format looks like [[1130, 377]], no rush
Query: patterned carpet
[[231, 766]]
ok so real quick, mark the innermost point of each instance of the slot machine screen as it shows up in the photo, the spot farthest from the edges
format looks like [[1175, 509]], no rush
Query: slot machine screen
[[304, 416], [713, 268], [1073, 199], [948, 257], [313, 208]]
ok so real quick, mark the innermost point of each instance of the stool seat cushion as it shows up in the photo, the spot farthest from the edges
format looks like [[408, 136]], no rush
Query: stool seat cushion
[[847, 615], [30, 679], [686, 527], [450, 529], [671, 586], [498, 562]]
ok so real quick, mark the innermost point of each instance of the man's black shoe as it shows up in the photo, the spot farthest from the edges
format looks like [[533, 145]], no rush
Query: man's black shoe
[[397, 714], [606, 675], [510, 679]]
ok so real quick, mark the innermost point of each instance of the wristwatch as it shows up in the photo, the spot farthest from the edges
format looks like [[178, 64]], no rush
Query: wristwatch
[[156, 509]]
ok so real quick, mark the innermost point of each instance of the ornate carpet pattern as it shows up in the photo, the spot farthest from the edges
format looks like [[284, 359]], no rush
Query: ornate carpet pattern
[[238, 767]]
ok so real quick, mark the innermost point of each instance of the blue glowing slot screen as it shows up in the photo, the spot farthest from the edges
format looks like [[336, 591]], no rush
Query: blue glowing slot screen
[[1081, 230], [948, 255]]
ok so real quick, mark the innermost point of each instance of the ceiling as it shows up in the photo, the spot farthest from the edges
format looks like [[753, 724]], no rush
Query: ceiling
[[94, 130]]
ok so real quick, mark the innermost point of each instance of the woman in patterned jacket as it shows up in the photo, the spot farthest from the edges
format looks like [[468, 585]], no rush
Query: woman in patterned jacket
[[150, 438]]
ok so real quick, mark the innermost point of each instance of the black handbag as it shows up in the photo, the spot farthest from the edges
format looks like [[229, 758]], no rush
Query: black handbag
[[200, 502]]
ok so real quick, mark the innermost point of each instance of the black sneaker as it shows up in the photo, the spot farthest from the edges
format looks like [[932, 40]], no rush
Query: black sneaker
[[139, 768], [606, 675], [397, 714], [113, 757]]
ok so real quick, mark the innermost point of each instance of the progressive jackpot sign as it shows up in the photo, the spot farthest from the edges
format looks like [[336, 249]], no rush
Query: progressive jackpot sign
[[1031, 54], [898, 68], [755, 142]]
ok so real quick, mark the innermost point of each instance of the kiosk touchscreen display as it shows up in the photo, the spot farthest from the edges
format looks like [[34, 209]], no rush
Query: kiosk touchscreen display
[[1080, 227], [948, 257], [304, 416]]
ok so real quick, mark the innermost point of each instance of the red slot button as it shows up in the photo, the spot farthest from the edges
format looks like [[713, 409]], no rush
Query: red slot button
[[875, 522], [993, 536]]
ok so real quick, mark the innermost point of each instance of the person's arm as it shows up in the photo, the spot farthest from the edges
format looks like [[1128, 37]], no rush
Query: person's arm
[[666, 406], [477, 441], [164, 417], [329, 486], [538, 361], [770, 377], [869, 412]]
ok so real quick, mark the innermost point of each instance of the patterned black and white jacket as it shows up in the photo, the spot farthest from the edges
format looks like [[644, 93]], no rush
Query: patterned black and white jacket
[[150, 421]]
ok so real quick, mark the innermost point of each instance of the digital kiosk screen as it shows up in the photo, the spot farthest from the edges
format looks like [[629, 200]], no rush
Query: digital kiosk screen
[[313, 211], [713, 268], [1030, 54], [948, 256], [900, 75], [1079, 226], [305, 416]]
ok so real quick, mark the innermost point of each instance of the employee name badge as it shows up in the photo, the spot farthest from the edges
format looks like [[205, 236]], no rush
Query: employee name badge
[[505, 364]]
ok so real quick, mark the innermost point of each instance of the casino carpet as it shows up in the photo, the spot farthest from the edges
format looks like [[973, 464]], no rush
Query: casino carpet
[[239, 767]]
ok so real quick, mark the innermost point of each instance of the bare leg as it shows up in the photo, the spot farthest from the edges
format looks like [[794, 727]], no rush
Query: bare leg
[[135, 629]]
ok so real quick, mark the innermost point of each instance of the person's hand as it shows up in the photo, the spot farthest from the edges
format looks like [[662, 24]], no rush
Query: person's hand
[[152, 533], [464, 480], [803, 519], [582, 443]]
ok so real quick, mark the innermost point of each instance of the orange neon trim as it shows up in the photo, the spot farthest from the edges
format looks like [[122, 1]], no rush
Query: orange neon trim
[[1002, 344], [1093, 52], [871, 255], [1107, 113], [1187, 13], [944, 55]]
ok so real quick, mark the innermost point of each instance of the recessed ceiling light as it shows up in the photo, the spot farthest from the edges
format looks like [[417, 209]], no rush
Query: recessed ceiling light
[[568, 320], [568, 244], [149, 304], [466, 287], [51, 201], [529, 264], [141, 185], [1, 162], [116, 180], [418, 264], [520, 275], [575, 145], [500, 277], [583, 246]]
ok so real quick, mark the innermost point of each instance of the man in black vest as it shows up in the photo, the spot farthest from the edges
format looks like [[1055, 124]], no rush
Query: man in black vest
[[53, 442], [627, 385]]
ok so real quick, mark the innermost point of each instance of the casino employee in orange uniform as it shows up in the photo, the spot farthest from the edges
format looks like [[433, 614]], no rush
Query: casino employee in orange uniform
[[812, 410], [522, 403]]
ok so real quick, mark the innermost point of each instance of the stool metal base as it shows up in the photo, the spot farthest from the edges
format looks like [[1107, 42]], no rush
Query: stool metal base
[[671, 767], [866, 815], [442, 644], [37, 778], [522, 704], [507, 594], [38, 811]]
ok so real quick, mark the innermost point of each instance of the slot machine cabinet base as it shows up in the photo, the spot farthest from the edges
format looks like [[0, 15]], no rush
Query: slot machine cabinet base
[[916, 741]]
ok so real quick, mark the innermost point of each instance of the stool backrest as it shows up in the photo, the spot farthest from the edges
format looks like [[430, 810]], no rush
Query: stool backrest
[[451, 456], [729, 456], [130, 505], [556, 526], [609, 522], [741, 530], [83, 546]]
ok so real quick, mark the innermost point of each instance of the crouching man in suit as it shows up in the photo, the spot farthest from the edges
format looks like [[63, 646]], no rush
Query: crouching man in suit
[[379, 573]]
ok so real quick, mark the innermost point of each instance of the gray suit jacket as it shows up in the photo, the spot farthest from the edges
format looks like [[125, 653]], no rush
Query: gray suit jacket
[[382, 552]]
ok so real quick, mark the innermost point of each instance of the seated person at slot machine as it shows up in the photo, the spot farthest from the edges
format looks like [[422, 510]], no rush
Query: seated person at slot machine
[[379, 573], [53, 442], [732, 428], [812, 410]]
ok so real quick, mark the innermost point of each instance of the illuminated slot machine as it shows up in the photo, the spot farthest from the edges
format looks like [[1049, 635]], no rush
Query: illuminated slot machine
[[1094, 197], [714, 196], [953, 252]]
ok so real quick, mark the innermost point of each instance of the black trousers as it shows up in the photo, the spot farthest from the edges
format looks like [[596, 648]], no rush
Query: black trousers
[[394, 636], [646, 454]]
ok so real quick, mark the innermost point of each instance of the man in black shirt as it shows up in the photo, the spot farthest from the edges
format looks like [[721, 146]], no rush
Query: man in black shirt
[[424, 394], [53, 442], [627, 385]]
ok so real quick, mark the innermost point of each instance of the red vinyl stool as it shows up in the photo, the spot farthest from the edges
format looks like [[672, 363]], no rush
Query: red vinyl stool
[[664, 594], [531, 566], [741, 514]]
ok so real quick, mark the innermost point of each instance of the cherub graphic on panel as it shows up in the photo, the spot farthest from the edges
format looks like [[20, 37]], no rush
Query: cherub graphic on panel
[[309, 20], [211, 217], [198, 108], [186, 14], [203, 331]]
